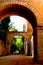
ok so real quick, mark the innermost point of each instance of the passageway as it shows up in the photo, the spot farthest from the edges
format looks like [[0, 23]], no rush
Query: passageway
[[30, 17]]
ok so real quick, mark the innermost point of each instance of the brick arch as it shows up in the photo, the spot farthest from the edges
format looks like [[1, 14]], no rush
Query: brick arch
[[10, 35], [20, 10], [17, 9], [30, 4]]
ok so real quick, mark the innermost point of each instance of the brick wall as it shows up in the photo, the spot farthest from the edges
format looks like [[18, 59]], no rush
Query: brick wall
[[36, 6]]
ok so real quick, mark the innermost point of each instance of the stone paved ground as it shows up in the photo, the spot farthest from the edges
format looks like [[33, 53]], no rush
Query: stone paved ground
[[16, 60]]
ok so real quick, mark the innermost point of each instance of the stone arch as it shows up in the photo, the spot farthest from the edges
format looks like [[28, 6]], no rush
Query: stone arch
[[20, 10]]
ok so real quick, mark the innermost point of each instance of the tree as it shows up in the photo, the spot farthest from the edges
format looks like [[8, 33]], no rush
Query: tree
[[5, 23], [18, 44], [12, 28], [4, 27]]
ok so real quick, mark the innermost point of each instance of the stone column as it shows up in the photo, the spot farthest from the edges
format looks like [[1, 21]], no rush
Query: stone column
[[25, 47]]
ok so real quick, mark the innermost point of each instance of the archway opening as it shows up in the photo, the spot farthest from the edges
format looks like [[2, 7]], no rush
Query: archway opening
[[16, 9], [16, 25], [17, 45]]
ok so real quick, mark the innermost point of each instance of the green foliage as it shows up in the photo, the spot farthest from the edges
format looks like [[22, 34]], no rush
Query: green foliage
[[12, 28], [5, 23], [3, 28], [6, 26], [18, 42], [2, 35]]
